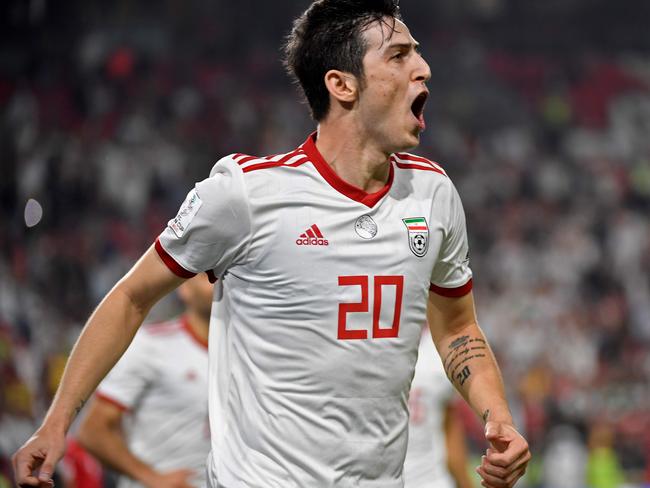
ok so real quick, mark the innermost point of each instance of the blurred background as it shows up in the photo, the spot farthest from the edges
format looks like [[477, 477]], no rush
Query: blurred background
[[540, 113]]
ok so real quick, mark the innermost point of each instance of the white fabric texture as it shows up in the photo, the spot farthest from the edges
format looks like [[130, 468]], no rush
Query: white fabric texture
[[318, 314]]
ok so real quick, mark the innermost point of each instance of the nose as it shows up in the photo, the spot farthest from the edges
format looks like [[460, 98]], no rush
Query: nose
[[422, 71]]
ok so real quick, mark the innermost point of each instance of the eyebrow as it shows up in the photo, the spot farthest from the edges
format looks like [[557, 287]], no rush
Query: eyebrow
[[401, 45]]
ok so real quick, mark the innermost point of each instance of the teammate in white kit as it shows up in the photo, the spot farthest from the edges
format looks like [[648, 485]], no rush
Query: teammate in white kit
[[436, 455], [149, 417], [330, 256]]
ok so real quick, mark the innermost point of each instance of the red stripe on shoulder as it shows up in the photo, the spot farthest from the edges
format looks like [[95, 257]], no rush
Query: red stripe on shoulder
[[239, 156], [171, 263], [417, 166], [417, 159], [298, 162], [252, 163], [288, 156], [275, 164], [246, 159], [460, 291], [254, 167], [108, 399]]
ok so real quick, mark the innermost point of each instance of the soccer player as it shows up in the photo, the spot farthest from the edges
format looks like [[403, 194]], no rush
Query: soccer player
[[149, 417], [330, 257], [436, 455]]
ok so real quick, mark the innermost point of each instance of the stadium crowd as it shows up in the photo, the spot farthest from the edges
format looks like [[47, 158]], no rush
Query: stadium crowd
[[105, 127]]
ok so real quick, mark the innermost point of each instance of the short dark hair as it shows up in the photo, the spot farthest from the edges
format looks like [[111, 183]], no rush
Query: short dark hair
[[328, 36]]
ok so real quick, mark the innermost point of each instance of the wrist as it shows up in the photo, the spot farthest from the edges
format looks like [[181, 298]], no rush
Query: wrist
[[501, 417], [61, 415], [145, 475], [53, 424]]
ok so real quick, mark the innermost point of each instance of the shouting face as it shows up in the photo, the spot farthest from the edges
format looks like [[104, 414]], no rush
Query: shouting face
[[393, 92]]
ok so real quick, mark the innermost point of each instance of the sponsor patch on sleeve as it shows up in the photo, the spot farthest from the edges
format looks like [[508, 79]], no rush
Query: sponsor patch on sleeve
[[188, 210]]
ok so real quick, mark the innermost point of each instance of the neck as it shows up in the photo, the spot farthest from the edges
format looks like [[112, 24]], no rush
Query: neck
[[353, 155], [198, 323]]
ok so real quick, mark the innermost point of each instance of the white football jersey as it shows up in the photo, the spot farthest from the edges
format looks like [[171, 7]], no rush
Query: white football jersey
[[425, 465], [319, 311], [161, 382]]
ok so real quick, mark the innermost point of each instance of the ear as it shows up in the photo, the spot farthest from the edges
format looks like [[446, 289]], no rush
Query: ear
[[343, 86]]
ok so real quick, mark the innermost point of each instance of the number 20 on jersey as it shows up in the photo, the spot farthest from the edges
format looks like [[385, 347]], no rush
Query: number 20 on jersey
[[378, 285]]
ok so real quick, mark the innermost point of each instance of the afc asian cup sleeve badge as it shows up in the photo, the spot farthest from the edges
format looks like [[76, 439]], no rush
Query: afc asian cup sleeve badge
[[186, 213], [418, 235]]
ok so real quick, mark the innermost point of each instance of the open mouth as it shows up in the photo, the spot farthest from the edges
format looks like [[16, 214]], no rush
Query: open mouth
[[417, 107]]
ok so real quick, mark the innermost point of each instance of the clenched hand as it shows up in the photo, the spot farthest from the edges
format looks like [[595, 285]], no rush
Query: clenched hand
[[34, 462], [506, 459]]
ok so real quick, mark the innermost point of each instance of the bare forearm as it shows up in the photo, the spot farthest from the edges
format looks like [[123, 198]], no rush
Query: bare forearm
[[471, 367], [104, 339]]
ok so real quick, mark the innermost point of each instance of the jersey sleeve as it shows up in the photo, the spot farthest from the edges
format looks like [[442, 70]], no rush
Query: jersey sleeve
[[452, 276], [131, 375], [212, 228]]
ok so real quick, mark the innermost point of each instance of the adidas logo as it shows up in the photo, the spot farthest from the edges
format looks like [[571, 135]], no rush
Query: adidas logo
[[312, 237]]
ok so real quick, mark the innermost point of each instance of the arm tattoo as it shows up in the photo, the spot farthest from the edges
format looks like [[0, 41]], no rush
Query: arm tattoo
[[486, 415], [463, 375], [460, 341], [462, 350], [82, 402]]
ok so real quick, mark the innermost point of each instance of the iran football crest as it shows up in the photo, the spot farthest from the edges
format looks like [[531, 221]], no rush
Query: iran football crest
[[418, 234]]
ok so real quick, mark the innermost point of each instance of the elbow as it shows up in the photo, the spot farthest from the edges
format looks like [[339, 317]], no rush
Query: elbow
[[140, 303]]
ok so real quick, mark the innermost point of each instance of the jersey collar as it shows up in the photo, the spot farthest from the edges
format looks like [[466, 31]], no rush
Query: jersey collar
[[188, 328], [340, 185]]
